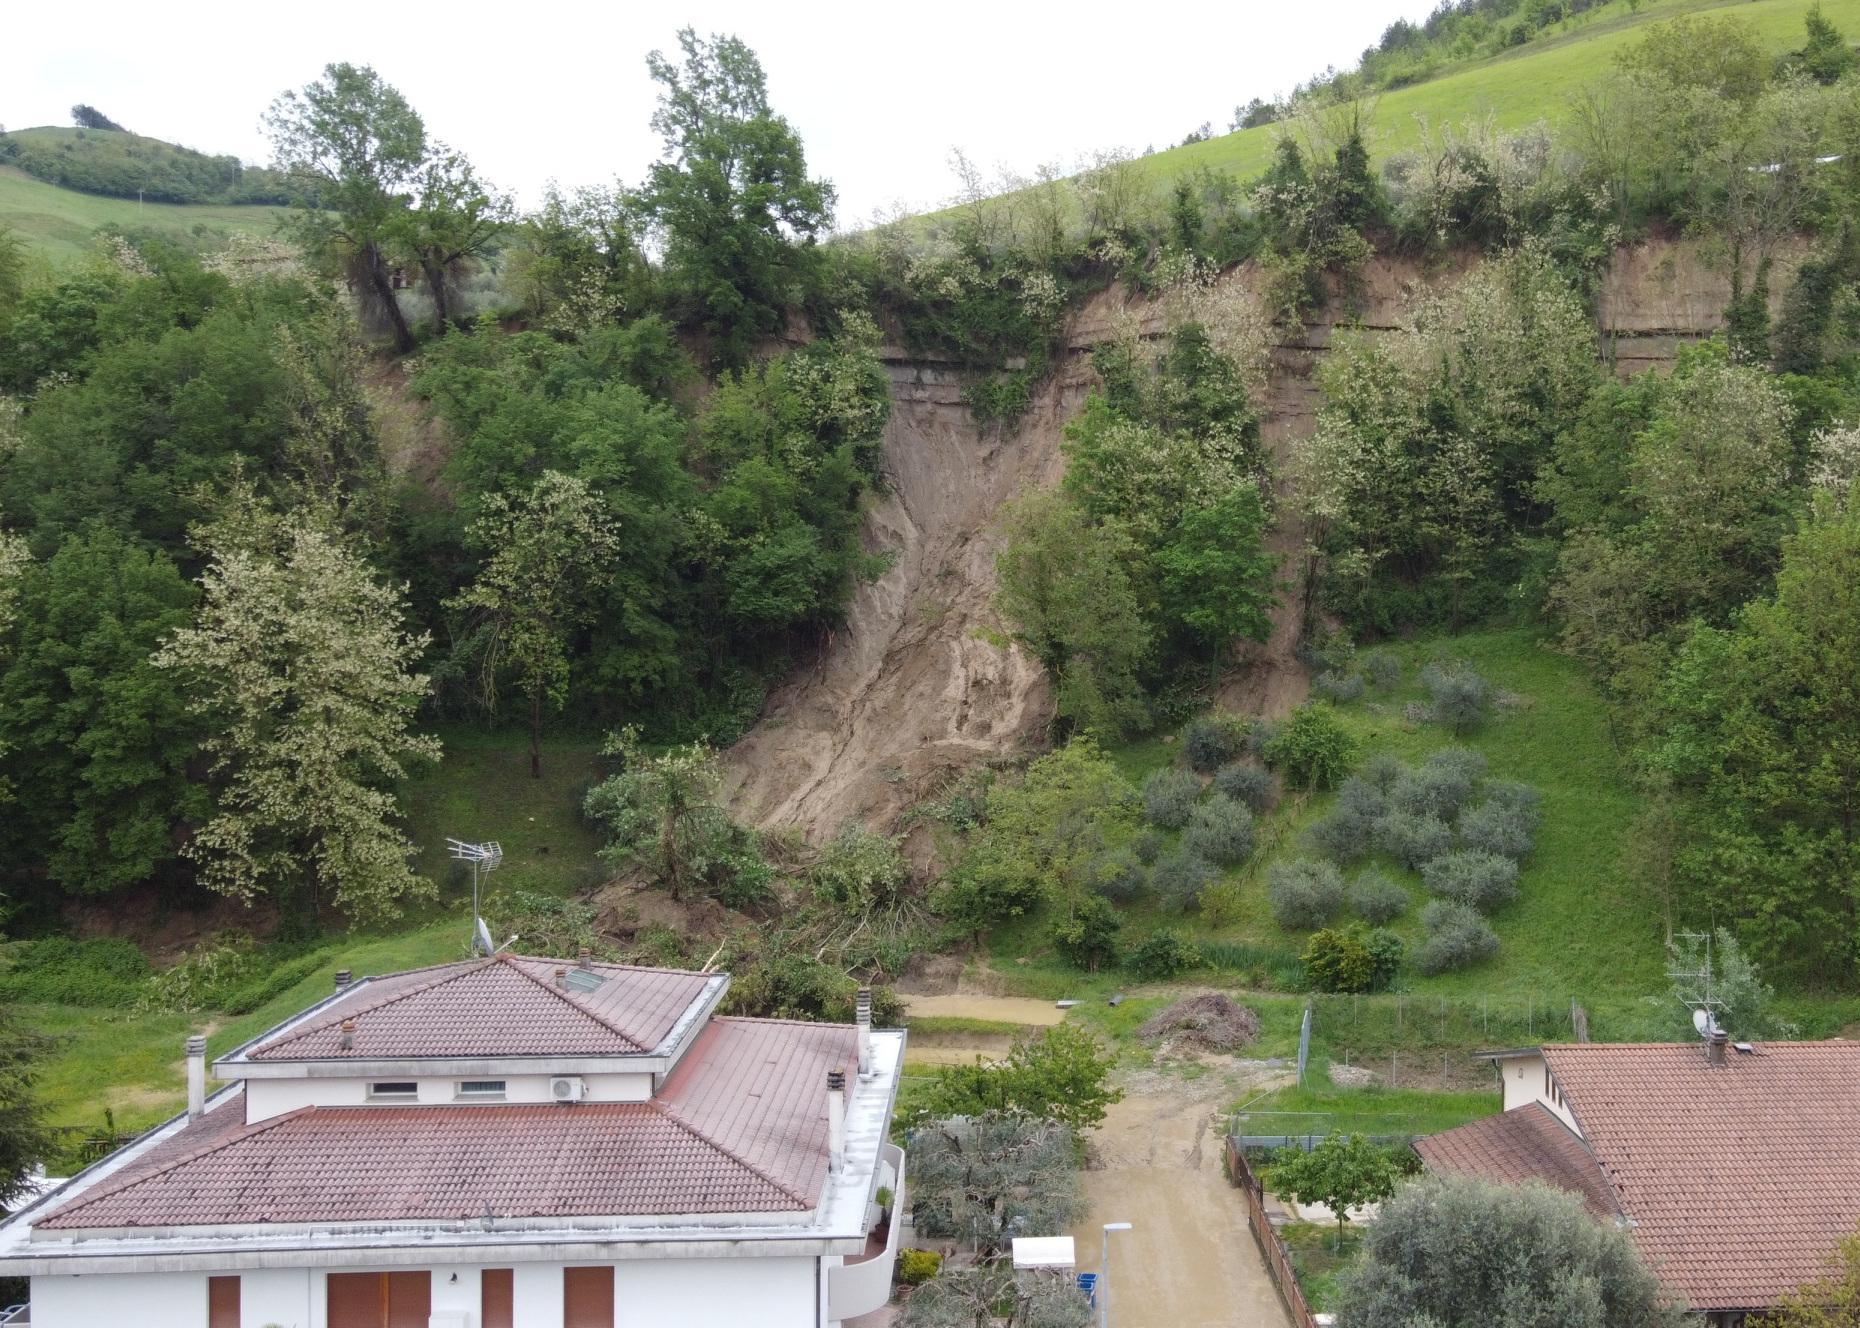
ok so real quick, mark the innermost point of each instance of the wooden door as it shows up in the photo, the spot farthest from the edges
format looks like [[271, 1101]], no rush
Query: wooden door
[[587, 1297], [380, 1300], [497, 1300], [222, 1302]]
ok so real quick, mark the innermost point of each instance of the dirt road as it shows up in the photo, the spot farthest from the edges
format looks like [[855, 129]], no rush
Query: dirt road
[[1189, 1261]]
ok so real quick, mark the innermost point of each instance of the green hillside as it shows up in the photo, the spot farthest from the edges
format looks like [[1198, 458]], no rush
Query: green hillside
[[119, 164], [60, 223], [1541, 81]]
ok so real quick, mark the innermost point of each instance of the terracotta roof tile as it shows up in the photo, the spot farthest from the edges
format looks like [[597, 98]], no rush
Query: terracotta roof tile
[[502, 1006], [740, 1126], [1740, 1178], [1528, 1143]]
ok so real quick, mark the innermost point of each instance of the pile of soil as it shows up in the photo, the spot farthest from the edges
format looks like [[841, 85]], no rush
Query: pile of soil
[[1210, 1023]]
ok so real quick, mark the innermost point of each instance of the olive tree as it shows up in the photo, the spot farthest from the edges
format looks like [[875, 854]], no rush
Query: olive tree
[[981, 1178]]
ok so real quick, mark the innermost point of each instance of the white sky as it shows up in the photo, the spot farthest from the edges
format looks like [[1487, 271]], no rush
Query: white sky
[[540, 90]]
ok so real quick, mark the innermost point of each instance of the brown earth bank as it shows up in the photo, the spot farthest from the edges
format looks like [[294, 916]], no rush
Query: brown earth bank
[[920, 682]]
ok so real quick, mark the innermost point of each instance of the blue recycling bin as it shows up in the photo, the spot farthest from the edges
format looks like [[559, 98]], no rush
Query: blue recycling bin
[[1088, 1283]]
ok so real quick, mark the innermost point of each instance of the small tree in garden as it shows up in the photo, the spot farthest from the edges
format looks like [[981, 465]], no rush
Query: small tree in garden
[[980, 1297], [1062, 1075], [982, 1178], [1342, 1172], [1311, 749]]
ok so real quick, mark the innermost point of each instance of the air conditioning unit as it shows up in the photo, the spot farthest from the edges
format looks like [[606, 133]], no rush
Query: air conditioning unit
[[568, 1088]]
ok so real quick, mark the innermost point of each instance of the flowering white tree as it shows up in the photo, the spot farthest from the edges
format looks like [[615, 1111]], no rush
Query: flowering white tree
[[299, 659]]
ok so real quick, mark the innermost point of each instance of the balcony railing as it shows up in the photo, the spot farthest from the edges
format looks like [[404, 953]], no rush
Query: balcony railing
[[863, 1283]]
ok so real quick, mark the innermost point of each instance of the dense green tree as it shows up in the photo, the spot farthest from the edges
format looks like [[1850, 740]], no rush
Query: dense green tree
[[544, 553], [664, 816], [1062, 1073], [1342, 1172], [983, 1179], [354, 149], [1759, 728], [456, 219], [1064, 586], [98, 738], [1457, 1253], [1041, 834], [732, 198], [12, 268], [1826, 55], [1217, 573], [299, 664], [25, 1140]]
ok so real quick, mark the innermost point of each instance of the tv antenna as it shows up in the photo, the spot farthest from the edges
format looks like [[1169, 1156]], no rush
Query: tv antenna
[[1694, 984], [484, 859]]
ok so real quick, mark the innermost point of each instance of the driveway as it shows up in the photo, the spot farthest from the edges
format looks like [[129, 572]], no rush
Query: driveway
[[1189, 1261]]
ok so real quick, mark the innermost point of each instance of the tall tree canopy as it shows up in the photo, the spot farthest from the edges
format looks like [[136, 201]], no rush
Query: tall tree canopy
[[732, 196]]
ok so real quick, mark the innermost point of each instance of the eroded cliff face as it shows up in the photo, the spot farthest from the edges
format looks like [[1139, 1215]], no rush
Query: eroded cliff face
[[920, 682]]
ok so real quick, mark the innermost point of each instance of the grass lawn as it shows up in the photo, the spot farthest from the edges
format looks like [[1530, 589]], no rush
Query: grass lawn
[[1321, 1107], [58, 224], [1320, 1253]]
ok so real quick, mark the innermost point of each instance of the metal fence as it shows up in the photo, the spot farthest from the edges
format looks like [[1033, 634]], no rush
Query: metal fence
[[1271, 1247]]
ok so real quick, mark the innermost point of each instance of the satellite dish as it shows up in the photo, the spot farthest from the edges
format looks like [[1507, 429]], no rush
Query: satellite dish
[[481, 939], [1704, 1023]]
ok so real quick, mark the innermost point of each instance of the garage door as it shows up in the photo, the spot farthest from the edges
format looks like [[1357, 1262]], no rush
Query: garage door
[[380, 1300]]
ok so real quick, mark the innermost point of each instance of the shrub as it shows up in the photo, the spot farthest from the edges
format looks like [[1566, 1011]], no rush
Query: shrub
[[1180, 878], [1168, 797], [1250, 784], [1412, 840], [1340, 687], [1351, 959], [1260, 735], [1460, 698], [1221, 830], [1349, 831], [1384, 669], [1376, 898], [1210, 742], [1482, 880], [1521, 798], [1148, 846], [1441, 787], [1163, 954], [1119, 876], [1311, 749], [1087, 937], [1381, 772], [1498, 828], [1457, 937], [915, 1267], [105, 971], [1304, 894]]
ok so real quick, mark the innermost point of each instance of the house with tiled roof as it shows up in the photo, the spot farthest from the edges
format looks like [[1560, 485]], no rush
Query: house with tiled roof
[[1735, 1167], [504, 1142]]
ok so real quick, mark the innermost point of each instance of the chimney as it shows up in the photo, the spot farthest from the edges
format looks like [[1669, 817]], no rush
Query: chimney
[[1714, 1046], [587, 958], [862, 1017], [348, 1035], [836, 1121], [561, 978], [343, 978], [196, 1076]]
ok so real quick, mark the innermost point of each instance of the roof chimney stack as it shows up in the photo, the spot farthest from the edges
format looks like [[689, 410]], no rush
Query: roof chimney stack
[[561, 978], [587, 958], [348, 1035], [343, 978], [1714, 1046], [196, 1076], [862, 1017], [836, 1121]]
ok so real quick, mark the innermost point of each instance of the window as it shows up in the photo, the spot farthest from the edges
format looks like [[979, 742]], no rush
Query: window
[[497, 1299], [482, 1090], [222, 1302], [394, 1090], [587, 1297], [380, 1300]]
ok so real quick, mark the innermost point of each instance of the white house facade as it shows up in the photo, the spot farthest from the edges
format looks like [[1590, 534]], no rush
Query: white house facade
[[501, 1143]]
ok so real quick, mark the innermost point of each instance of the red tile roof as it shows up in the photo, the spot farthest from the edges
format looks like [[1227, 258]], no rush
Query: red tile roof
[[506, 1005], [1739, 1179], [1529, 1143], [740, 1127]]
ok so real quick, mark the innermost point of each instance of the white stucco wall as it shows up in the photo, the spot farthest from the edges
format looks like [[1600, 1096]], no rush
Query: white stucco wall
[[648, 1293], [1523, 1077], [266, 1098]]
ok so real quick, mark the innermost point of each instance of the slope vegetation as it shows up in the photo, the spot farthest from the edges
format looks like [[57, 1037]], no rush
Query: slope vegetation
[[60, 224]]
